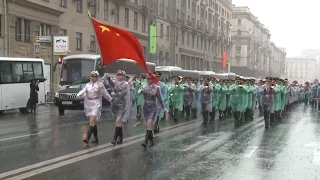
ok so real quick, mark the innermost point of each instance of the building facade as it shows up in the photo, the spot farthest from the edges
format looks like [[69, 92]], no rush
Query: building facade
[[301, 69], [191, 34], [312, 53], [253, 54]]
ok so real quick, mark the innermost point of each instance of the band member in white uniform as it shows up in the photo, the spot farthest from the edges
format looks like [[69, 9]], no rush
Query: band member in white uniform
[[152, 98], [121, 103], [92, 93]]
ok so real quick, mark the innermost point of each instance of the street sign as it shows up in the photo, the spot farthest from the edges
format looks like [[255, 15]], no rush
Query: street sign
[[41, 39], [61, 45]]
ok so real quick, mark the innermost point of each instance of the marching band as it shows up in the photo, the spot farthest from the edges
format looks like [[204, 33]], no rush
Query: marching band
[[184, 95]]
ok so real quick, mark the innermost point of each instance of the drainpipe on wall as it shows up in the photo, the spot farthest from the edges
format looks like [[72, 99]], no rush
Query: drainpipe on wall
[[5, 28]]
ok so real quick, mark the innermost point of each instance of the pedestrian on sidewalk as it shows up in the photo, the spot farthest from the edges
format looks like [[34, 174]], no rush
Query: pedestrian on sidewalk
[[92, 93], [34, 88]]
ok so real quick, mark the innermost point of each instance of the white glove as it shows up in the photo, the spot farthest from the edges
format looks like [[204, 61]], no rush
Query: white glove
[[112, 93], [166, 110], [140, 90]]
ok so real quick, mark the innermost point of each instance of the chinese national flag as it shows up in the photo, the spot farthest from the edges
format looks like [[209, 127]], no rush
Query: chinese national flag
[[116, 43]]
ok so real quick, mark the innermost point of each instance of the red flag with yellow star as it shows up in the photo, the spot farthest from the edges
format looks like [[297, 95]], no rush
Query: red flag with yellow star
[[116, 43]]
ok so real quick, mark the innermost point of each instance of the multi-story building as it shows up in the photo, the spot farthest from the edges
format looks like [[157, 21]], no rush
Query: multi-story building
[[301, 69], [312, 53], [190, 33], [253, 54]]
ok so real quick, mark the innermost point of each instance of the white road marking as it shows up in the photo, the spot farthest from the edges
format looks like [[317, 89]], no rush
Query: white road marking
[[205, 137], [313, 144], [196, 144], [86, 156], [86, 151], [17, 137], [316, 157], [251, 151]]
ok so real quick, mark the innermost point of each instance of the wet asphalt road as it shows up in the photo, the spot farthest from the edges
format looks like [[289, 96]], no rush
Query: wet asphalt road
[[290, 149]]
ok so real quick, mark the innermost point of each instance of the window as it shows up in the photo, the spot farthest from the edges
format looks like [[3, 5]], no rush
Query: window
[[178, 14], [238, 52], [5, 72], [144, 19], [188, 4], [63, 3], [44, 30], [93, 8], [62, 32], [23, 72], [239, 22], [105, 9], [92, 44], [17, 72], [116, 18], [161, 31], [136, 1], [18, 29], [239, 32], [135, 23], [27, 30], [126, 17], [79, 41], [79, 6], [168, 33]]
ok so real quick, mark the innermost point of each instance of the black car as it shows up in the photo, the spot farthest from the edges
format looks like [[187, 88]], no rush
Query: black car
[[67, 99]]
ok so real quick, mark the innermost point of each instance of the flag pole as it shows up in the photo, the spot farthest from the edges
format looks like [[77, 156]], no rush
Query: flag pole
[[89, 14]]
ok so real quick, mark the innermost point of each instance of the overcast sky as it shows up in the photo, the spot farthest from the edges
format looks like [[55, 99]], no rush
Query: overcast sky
[[293, 24]]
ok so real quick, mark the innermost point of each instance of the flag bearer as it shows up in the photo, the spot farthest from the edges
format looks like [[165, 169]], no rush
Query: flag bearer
[[93, 92], [152, 99]]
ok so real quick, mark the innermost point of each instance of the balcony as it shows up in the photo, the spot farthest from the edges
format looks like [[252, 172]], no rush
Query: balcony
[[199, 28], [120, 1], [144, 10], [178, 21], [207, 31], [189, 23]]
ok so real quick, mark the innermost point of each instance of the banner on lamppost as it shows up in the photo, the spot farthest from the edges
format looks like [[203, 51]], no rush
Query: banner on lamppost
[[153, 39], [224, 60]]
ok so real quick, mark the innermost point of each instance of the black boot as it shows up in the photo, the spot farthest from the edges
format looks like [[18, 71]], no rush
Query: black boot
[[213, 114], [205, 117], [95, 134], [220, 114], [272, 118], [115, 136], [194, 113], [150, 137], [175, 115], [145, 143], [120, 136], [89, 132], [156, 126]]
